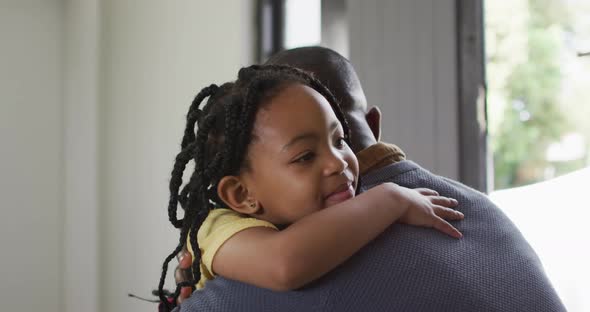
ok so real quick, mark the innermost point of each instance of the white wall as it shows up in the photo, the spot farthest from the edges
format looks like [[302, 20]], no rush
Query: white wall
[[80, 74], [405, 54], [335, 26], [93, 98], [156, 55], [31, 159]]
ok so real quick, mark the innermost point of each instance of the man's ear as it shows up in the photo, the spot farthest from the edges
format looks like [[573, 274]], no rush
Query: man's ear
[[233, 191], [373, 117]]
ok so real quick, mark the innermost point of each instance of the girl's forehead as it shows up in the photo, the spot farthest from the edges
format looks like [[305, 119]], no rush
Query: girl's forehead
[[297, 101], [295, 109]]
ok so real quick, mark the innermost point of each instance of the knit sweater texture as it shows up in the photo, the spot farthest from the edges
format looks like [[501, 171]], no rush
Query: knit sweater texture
[[408, 268]]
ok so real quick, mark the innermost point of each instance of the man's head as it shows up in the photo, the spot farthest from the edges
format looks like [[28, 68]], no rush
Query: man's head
[[336, 73]]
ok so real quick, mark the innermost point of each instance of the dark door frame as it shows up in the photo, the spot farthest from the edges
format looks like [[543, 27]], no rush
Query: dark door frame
[[271, 28], [475, 164]]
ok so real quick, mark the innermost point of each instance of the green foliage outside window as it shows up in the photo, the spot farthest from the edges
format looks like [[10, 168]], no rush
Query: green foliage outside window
[[526, 44]]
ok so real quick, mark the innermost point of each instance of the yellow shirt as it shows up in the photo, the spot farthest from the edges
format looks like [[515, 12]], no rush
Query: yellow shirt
[[221, 223], [218, 227]]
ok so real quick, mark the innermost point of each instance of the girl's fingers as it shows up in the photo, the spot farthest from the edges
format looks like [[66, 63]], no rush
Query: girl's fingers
[[426, 192], [182, 275], [185, 259], [448, 213], [447, 228], [185, 292], [444, 201]]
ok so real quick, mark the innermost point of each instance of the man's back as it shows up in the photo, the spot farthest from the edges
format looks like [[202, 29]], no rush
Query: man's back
[[492, 268]]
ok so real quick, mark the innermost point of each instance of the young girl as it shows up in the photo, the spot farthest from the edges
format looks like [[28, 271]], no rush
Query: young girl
[[271, 148]]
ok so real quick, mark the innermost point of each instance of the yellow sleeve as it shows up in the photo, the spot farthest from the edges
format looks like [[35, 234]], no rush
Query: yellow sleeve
[[218, 227]]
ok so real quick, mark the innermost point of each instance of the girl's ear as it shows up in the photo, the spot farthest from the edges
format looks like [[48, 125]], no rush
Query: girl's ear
[[235, 194]]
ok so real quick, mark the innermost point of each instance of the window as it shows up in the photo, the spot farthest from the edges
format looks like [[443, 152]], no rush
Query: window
[[287, 24], [538, 90]]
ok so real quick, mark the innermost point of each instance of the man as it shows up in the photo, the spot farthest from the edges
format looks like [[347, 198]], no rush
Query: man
[[492, 268]]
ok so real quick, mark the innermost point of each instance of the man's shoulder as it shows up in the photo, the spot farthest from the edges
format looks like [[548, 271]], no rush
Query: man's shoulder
[[411, 268], [410, 174]]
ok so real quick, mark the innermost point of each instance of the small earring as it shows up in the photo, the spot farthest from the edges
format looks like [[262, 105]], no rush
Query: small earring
[[252, 205]]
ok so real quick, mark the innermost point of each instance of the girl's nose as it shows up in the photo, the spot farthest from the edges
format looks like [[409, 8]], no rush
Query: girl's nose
[[335, 164]]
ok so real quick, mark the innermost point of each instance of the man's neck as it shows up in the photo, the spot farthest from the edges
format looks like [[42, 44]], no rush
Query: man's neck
[[361, 135], [361, 143]]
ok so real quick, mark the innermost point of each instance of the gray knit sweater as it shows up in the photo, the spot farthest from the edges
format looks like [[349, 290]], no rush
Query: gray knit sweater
[[492, 268]]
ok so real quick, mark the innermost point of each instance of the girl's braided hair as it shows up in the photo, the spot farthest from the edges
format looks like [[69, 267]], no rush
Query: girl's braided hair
[[220, 146]]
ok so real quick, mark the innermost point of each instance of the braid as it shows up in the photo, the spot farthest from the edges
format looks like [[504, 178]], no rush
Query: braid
[[246, 122], [183, 157], [195, 267], [232, 113], [176, 181], [219, 148], [191, 148], [194, 114]]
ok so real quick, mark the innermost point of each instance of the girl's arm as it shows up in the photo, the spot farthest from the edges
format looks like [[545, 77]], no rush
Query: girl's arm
[[316, 244]]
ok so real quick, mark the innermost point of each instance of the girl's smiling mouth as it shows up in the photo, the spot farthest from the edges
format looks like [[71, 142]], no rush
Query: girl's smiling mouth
[[342, 193]]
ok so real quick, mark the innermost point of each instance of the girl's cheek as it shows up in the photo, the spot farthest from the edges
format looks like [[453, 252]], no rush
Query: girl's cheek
[[305, 188]]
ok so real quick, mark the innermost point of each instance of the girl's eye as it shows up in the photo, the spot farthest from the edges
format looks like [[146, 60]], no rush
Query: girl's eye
[[305, 158]]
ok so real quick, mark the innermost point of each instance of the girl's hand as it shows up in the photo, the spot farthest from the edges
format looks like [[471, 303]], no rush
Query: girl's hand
[[182, 273], [427, 209]]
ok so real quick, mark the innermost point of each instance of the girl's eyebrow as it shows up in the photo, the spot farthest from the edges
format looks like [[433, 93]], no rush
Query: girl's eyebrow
[[308, 136]]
